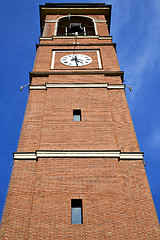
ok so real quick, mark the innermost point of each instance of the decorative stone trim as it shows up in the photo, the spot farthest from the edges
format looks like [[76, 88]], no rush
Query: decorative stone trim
[[66, 37], [105, 37], [50, 21], [77, 72], [23, 156], [116, 86], [76, 85], [131, 155], [79, 44], [37, 87], [54, 21], [45, 38], [79, 154], [97, 51], [100, 21], [73, 37]]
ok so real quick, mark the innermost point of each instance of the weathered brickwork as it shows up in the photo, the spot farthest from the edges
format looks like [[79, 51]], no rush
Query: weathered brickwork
[[16, 217], [106, 123], [116, 199], [45, 188]]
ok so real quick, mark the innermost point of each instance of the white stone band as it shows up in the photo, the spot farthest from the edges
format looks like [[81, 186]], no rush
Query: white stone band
[[50, 21], [55, 21], [78, 154], [76, 85], [100, 21], [97, 36]]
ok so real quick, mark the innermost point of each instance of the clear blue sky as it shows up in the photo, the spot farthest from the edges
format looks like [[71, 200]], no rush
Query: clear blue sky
[[135, 27]]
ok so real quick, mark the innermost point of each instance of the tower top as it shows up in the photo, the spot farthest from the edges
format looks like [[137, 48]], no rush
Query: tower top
[[74, 9]]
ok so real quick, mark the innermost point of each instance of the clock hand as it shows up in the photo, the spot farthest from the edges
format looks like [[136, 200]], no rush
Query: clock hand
[[76, 60], [73, 57]]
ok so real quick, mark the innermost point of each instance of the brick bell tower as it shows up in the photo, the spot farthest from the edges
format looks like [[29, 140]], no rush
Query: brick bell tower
[[78, 172]]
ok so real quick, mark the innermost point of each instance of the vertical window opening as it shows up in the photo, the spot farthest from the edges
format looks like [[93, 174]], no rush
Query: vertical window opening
[[76, 214], [77, 115]]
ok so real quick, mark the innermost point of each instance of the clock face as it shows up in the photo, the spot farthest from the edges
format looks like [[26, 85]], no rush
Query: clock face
[[76, 60]]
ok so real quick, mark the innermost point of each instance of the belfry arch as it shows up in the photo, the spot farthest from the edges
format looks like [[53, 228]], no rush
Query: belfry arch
[[75, 25]]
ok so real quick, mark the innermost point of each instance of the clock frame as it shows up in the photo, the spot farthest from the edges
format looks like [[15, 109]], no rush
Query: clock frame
[[59, 57]]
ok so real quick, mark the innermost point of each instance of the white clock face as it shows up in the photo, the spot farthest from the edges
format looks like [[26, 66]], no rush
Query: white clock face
[[76, 60]]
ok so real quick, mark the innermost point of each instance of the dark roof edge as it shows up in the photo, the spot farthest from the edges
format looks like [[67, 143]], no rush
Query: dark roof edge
[[75, 5]]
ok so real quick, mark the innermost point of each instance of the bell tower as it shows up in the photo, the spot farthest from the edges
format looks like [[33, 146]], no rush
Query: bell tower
[[78, 171]]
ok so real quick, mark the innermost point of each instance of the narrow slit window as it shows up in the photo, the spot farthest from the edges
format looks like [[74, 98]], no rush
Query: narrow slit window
[[77, 115], [76, 206]]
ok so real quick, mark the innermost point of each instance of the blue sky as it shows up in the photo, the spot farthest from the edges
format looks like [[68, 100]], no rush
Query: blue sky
[[135, 27]]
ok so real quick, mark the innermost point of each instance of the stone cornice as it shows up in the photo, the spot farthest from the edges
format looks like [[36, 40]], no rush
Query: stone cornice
[[79, 44], [76, 37], [81, 72], [76, 85], [78, 154], [54, 21]]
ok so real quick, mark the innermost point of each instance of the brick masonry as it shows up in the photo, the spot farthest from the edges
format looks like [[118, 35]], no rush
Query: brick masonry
[[39, 200], [117, 202], [106, 123]]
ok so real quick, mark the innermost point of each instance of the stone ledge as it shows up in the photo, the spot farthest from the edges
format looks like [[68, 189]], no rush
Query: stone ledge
[[76, 37], [78, 154], [73, 72], [76, 85]]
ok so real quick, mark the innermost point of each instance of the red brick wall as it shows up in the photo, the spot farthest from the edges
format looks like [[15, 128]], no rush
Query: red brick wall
[[17, 213], [106, 123], [116, 200]]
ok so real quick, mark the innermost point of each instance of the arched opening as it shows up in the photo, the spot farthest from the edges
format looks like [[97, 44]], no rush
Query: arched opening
[[75, 25]]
